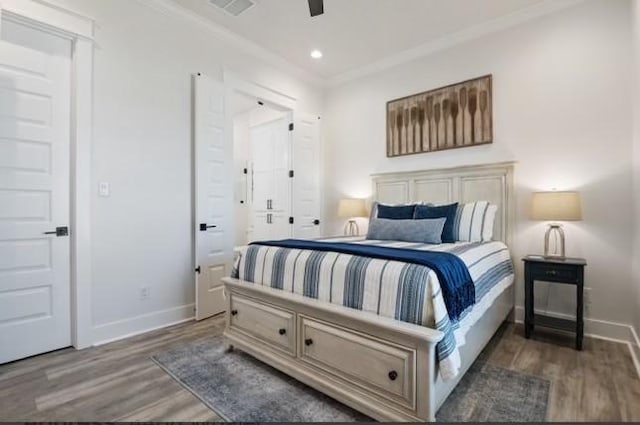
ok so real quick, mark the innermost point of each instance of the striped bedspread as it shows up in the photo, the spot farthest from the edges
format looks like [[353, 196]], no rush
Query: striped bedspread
[[403, 291]]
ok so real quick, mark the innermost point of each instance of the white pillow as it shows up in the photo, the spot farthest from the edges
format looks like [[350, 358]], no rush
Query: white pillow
[[474, 221]]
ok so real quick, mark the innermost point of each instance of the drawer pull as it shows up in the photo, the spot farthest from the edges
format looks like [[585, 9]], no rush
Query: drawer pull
[[393, 375], [308, 342], [234, 312], [551, 272], [282, 331]]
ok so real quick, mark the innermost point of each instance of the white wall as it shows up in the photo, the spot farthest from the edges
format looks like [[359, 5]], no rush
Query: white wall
[[561, 109], [141, 235], [636, 157]]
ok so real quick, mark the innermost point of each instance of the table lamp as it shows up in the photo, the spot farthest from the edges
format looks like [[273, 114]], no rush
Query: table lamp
[[554, 207], [351, 208]]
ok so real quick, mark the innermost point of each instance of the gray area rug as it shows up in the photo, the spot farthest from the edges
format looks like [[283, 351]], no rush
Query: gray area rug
[[240, 388]]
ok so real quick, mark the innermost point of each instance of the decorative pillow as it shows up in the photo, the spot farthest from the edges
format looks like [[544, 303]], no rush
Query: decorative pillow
[[474, 221], [423, 231], [393, 212], [442, 211]]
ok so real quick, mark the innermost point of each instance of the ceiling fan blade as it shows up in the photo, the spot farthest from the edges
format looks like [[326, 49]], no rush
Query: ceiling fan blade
[[316, 7]]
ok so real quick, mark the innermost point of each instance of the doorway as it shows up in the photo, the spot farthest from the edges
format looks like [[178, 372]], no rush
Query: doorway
[[262, 153], [256, 176]]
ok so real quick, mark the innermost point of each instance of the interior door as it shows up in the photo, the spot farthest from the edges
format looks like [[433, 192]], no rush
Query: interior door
[[213, 157], [269, 147], [306, 180], [35, 90]]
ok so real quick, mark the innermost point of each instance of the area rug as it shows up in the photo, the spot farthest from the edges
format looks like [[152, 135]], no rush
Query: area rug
[[240, 388]]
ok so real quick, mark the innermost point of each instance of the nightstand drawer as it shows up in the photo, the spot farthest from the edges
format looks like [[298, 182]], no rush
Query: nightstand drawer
[[554, 273]]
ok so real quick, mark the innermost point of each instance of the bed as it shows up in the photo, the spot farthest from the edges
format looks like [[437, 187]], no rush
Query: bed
[[388, 350]]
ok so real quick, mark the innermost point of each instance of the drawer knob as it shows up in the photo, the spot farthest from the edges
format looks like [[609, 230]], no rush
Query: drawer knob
[[234, 312], [308, 341], [282, 331], [393, 375]]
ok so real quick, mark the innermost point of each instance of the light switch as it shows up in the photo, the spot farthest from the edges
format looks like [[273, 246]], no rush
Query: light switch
[[103, 189]]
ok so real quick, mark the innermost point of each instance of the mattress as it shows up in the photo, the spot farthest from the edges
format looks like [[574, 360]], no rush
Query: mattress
[[394, 289]]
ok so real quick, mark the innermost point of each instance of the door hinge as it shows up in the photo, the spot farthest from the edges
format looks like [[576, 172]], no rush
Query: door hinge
[[291, 173], [290, 220], [197, 269], [290, 126]]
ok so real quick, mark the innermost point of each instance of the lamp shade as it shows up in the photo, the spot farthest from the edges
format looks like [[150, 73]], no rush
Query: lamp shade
[[349, 208], [556, 206]]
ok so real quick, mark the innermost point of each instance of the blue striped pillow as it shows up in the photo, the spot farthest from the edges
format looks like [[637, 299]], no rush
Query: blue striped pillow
[[440, 211], [474, 222], [423, 231]]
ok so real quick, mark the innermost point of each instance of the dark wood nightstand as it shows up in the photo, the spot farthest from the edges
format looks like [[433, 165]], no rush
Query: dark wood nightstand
[[569, 271]]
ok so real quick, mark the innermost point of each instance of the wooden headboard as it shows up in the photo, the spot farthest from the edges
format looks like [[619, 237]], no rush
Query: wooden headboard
[[488, 182]]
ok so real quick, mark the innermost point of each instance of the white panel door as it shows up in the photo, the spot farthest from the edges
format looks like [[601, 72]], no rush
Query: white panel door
[[271, 186], [35, 91], [306, 181], [213, 153]]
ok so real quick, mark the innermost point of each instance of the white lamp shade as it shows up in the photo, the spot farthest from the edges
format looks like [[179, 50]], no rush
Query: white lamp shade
[[349, 208], [556, 206]]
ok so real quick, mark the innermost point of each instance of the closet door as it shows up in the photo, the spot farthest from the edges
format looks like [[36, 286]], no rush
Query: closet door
[[280, 193], [213, 159], [271, 183], [262, 176], [306, 181]]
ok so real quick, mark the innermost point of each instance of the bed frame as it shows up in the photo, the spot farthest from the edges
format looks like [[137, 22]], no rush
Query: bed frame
[[381, 367]]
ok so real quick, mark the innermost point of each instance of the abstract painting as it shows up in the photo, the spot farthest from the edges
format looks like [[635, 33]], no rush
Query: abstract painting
[[455, 116]]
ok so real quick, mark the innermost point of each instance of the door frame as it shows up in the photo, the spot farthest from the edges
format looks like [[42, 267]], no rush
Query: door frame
[[235, 84], [79, 30]]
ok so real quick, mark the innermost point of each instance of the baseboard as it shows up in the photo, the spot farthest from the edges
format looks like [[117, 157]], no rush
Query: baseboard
[[126, 328], [634, 346], [594, 328], [601, 329]]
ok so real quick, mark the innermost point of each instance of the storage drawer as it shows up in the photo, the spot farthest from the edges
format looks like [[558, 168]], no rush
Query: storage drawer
[[385, 369], [265, 322], [554, 273]]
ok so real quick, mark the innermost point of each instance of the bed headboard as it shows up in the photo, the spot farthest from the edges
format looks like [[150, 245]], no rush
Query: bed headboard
[[488, 182]]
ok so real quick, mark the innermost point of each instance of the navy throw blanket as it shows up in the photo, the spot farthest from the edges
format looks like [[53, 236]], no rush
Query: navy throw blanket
[[458, 290]]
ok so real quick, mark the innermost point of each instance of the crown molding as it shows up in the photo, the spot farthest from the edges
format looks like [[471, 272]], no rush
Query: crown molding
[[172, 9], [51, 16], [453, 39]]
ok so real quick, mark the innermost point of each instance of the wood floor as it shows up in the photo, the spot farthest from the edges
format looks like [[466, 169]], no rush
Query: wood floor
[[118, 381]]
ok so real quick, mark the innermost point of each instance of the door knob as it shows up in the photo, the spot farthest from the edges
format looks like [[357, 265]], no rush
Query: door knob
[[205, 226], [316, 222], [60, 231]]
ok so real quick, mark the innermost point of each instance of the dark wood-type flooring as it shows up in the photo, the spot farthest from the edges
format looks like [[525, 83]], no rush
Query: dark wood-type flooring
[[119, 382]]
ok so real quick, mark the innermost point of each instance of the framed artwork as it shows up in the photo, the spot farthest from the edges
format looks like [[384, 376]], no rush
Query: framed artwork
[[455, 116]]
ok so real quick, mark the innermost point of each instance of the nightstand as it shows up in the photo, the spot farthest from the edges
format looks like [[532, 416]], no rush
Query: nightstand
[[569, 271]]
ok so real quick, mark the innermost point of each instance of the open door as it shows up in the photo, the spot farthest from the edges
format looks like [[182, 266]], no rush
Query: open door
[[213, 157], [306, 176]]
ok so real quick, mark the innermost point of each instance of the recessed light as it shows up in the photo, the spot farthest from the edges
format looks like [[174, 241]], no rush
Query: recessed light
[[316, 54]]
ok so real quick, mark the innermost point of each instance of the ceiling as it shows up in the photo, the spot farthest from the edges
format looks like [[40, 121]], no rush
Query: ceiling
[[353, 33]]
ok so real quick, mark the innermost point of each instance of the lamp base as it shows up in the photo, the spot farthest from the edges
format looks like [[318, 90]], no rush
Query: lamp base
[[558, 237], [351, 228]]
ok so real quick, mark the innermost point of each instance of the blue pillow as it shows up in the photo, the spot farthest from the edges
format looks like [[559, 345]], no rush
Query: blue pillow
[[396, 212], [423, 231], [441, 211]]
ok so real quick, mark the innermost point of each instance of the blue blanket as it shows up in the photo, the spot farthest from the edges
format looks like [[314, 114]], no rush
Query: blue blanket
[[458, 290]]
